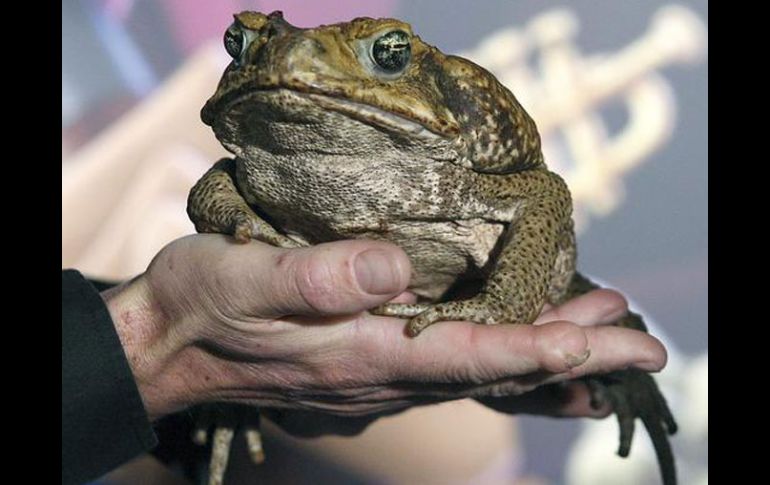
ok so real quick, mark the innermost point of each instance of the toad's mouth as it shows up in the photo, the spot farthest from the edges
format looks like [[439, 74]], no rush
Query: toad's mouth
[[288, 100], [372, 115]]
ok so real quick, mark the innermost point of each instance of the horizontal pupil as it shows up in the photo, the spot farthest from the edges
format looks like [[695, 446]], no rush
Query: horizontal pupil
[[391, 51]]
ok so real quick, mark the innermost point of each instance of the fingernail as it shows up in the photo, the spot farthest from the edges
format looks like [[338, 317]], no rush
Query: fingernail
[[573, 360], [648, 366], [376, 272]]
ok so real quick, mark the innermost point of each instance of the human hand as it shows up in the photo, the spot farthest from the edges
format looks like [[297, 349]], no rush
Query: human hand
[[569, 398], [212, 320]]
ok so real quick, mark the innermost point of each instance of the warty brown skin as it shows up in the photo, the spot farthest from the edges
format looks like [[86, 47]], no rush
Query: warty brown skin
[[437, 157]]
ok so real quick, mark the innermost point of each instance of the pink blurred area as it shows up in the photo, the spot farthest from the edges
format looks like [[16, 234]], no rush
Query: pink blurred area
[[304, 14], [195, 21]]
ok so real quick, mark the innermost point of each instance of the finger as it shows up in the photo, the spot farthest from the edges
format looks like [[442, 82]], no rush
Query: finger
[[406, 297], [462, 352], [568, 399], [617, 348], [338, 278], [598, 307], [611, 349]]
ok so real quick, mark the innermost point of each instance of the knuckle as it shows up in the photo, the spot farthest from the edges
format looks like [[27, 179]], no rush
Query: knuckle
[[556, 341], [461, 372], [318, 283], [469, 367], [615, 298], [473, 366]]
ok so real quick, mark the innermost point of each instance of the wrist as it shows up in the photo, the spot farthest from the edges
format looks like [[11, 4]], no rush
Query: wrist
[[151, 345]]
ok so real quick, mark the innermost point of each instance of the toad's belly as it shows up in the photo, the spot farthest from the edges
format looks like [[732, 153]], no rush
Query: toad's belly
[[427, 209], [442, 253]]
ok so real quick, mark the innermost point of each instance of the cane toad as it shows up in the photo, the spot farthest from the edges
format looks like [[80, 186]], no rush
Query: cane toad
[[362, 130]]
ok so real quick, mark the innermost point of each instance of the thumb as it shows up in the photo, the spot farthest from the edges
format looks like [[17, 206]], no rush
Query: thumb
[[337, 278]]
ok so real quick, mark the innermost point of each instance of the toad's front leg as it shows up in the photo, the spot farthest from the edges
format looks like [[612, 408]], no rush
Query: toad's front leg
[[216, 205], [518, 286]]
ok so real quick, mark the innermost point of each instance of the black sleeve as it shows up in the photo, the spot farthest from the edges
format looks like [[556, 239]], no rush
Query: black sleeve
[[103, 420]]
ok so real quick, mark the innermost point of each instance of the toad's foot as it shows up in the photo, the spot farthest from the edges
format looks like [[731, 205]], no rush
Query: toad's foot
[[422, 315], [220, 453], [244, 226], [215, 205], [634, 394], [226, 420]]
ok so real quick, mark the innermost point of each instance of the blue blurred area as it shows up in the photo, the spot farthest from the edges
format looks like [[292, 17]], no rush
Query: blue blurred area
[[110, 62], [134, 71]]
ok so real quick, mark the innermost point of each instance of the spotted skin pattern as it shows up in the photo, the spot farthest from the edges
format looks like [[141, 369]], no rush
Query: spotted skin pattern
[[439, 158]]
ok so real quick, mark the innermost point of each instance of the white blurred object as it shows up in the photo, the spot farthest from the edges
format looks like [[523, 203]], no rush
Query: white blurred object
[[695, 414]]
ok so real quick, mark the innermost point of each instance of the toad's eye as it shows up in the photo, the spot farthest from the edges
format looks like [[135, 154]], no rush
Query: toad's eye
[[234, 41], [392, 51]]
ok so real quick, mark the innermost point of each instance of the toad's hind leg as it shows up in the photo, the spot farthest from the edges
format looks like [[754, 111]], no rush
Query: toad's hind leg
[[215, 205], [633, 394], [519, 283]]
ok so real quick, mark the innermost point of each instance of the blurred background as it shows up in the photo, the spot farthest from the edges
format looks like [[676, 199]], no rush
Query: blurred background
[[619, 92]]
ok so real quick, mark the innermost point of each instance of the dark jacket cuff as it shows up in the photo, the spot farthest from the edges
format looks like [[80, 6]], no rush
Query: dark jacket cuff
[[104, 423]]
